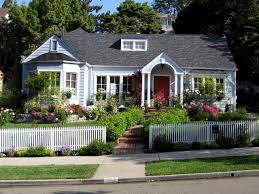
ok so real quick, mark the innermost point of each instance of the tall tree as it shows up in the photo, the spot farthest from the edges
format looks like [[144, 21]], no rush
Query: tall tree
[[131, 17], [170, 6], [7, 3]]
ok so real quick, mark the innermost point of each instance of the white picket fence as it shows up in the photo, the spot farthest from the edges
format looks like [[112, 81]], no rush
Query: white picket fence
[[202, 131], [54, 138]]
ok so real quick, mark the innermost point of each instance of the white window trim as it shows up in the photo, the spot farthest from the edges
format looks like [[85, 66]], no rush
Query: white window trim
[[51, 45], [214, 77], [54, 71], [134, 44], [77, 83]]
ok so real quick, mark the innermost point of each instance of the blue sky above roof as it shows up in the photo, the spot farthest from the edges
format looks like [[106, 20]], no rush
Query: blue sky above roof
[[108, 5]]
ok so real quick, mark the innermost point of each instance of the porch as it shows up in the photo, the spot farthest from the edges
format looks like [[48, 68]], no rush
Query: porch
[[162, 78]]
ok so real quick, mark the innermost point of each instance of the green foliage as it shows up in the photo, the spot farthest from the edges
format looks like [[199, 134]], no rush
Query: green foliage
[[169, 117], [196, 145], [37, 82], [115, 124], [210, 145], [129, 101], [134, 116], [180, 146], [97, 148], [7, 3], [161, 145], [131, 17], [243, 140], [240, 114], [39, 151], [5, 118], [225, 142], [255, 142], [169, 6], [62, 116]]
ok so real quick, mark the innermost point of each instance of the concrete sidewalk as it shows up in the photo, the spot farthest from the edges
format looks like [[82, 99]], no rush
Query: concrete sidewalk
[[125, 166]]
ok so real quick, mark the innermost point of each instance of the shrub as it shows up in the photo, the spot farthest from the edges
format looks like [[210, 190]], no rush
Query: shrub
[[161, 145], [61, 115], [129, 101], [39, 151], [196, 145], [115, 124], [96, 148], [255, 142], [240, 114], [21, 153], [134, 116], [243, 140], [37, 82], [180, 146], [210, 145], [225, 142], [172, 116], [5, 118]]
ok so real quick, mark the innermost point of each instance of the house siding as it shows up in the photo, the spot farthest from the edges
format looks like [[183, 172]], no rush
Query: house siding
[[45, 48]]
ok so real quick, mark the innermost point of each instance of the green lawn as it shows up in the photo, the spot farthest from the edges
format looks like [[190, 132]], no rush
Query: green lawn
[[222, 164], [33, 125], [47, 172]]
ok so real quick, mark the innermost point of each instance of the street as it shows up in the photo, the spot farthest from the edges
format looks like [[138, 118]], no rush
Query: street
[[248, 185]]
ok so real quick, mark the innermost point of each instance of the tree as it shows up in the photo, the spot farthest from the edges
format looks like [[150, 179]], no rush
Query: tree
[[131, 17], [170, 6], [237, 19], [7, 3]]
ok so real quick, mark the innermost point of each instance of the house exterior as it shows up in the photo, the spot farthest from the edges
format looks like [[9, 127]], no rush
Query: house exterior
[[86, 63], [167, 21], [4, 13]]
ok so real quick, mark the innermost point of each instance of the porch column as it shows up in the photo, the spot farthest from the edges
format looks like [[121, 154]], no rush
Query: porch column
[[108, 86], [121, 90], [143, 90], [181, 89], [148, 89], [176, 85]]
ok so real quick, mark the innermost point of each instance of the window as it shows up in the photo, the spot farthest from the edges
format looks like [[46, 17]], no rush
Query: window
[[101, 83], [127, 84], [114, 85], [54, 45], [219, 84], [54, 78], [198, 83], [71, 80], [128, 45], [133, 45], [140, 45]]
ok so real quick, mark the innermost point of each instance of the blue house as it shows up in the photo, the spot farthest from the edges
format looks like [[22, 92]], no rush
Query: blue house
[[86, 63]]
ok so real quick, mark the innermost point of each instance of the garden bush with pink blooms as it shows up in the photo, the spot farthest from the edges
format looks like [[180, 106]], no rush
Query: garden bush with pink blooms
[[6, 116]]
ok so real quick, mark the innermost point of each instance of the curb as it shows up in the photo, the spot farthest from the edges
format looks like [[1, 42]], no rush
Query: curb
[[114, 180]]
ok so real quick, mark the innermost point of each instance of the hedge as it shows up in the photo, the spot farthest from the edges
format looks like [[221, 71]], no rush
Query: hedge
[[117, 124]]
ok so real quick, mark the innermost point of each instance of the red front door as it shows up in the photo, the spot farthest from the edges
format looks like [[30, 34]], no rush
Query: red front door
[[161, 88]]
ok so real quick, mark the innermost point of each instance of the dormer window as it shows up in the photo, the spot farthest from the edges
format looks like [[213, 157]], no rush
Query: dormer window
[[54, 45], [133, 45]]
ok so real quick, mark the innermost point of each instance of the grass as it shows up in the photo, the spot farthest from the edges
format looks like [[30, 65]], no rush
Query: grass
[[222, 164], [47, 172], [34, 125]]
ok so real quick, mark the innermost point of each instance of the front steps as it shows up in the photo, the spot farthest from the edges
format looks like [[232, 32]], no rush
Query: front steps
[[132, 141]]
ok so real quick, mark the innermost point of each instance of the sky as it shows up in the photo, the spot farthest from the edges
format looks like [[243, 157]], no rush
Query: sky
[[108, 5]]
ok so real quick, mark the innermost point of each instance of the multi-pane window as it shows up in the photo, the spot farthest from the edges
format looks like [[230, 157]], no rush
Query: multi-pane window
[[140, 45], [127, 84], [114, 85], [219, 84], [133, 45], [71, 80], [54, 78], [101, 83], [198, 83], [128, 45]]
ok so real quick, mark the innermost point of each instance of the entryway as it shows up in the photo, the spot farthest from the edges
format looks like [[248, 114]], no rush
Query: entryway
[[161, 88]]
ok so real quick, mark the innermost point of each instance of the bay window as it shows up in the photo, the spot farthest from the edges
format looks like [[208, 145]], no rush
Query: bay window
[[71, 82]]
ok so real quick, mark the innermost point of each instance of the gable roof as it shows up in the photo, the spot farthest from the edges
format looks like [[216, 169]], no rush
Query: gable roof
[[3, 12], [52, 57], [188, 51]]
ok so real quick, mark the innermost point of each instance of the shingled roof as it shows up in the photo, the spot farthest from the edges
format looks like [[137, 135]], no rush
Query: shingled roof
[[52, 57], [189, 51]]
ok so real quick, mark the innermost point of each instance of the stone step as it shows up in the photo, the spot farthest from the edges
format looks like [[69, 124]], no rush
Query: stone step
[[130, 140], [131, 134], [128, 148]]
